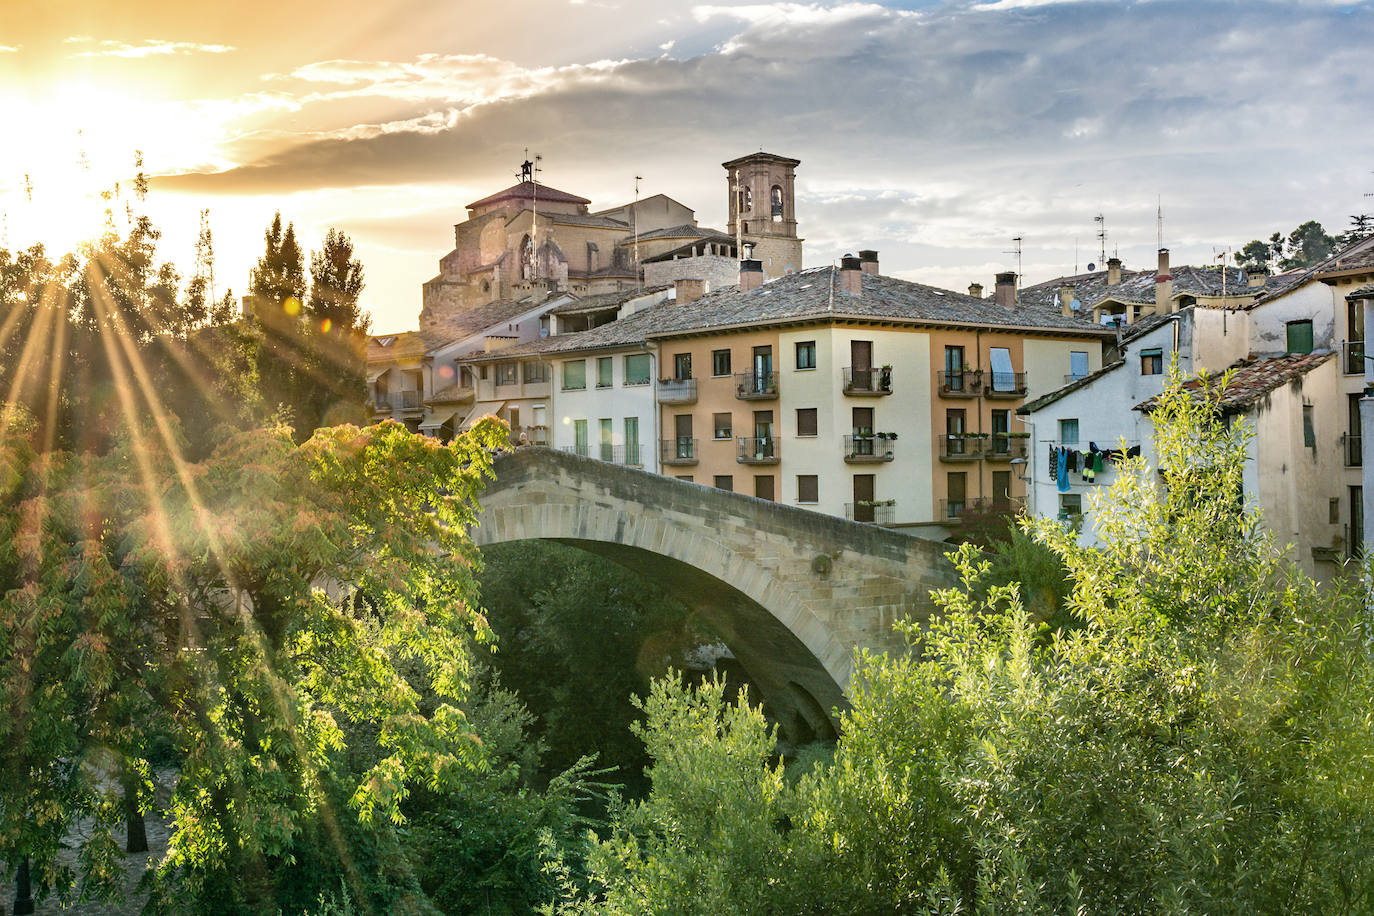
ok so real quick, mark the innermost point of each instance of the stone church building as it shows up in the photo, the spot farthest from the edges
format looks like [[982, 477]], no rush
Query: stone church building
[[534, 240]]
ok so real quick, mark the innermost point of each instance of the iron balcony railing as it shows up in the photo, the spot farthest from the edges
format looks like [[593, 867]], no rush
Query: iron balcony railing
[[631, 455], [1351, 444], [876, 512], [957, 510], [677, 391], [533, 435], [758, 450], [399, 400], [960, 383], [1005, 447], [1352, 357], [1005, 385], [678, 451], [961, 446], [756, 386], [862, 449], [859, 382]]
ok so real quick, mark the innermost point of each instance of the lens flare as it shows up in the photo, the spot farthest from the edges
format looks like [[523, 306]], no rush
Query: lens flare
[[292, 306]]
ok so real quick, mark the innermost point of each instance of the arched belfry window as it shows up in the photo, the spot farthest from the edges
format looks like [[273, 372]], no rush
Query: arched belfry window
[[776, 200], [747, 198]]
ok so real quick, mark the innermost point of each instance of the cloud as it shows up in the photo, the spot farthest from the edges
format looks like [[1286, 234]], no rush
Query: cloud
[[9, 49], [146, 48]]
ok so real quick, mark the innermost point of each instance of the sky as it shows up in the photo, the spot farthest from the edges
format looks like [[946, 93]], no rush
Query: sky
[[934, 132]]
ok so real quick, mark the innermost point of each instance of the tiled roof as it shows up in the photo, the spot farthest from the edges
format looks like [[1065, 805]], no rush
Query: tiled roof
[[1361, 292], [1355, 257], [686, 230], [1252, 379], [585, 219], [817, 294], [1138, 286], [627, 332], [1045, 400], [446, 330], [605, 301], [526, 190], [454, 393]]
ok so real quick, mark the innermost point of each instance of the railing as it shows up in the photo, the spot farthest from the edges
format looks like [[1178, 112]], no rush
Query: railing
[[1006, 447], [958, 510], [758, 450], [1006, 385], [534, 435], [756, 386], [1354, 450], [861, 449], [677, 391], [867, 382], [630, 455], [682, 450], [399, 400], [960, 383], [1352, 357], [882, 512], [961, 446]]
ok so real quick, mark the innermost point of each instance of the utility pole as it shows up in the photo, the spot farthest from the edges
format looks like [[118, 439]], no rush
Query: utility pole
[[634, 227]]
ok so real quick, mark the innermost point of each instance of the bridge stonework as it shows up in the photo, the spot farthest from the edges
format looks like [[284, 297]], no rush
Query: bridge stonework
[[792, 592]]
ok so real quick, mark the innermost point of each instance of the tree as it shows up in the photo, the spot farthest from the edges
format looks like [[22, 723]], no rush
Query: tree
[[1307, 246], [280, 275], [1361, 228], [336, 282]]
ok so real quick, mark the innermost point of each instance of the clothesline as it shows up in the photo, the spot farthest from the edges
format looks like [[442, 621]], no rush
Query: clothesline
[[1090, 462]]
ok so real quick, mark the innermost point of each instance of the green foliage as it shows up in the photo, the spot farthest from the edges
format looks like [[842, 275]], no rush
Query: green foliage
[[1304, 247], [336, 282], [1200, 741]]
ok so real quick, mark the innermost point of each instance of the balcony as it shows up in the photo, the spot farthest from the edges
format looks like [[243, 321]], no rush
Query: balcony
[[958, 511], [1352, 357], [867, 383], [868, 449], [678, 452], [960, 383], [962, 446], [533, 435], [759, 450], [1354, 451], [1007, 447], [874, 512], [756, 386], [631, 455], [1006, 385], [398, 400], [677, 391]]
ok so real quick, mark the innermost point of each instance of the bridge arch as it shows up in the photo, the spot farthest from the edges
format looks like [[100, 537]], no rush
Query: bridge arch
[[791, 591]]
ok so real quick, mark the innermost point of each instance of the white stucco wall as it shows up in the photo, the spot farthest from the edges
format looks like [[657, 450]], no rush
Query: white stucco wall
[[614, 403], [1310, 300], [1047, 363]]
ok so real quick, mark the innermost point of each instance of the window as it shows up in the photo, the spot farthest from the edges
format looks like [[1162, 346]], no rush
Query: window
[[1300, 336], [724, 482], [482, 372], [763, 486], [580, 437], [1355, 543], [806, 354], [682, 366], [720, 363], [806, 421], [1078, 363], [1152, 362], [535, 371], [637, 369], [956, 485], [1001, 426], [954, 432], [1001, 486], [1309, 433], [574, 374], [808, 488], [632, 441], [954, 368], [607, 453], [775, 200], [1333, 511], [605, 367], [685, 477], [721, 426], [1070, 506], [1003, 375], [683, 443], [507, 373], [1068, 432]]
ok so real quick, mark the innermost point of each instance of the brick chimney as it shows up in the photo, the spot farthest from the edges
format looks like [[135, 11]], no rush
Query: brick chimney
[[1066, 300], [689, 289], [1164, 286], [975, 290], [1006, 289], [868, 261], [1113, 271], [750, 274], [851, 275]]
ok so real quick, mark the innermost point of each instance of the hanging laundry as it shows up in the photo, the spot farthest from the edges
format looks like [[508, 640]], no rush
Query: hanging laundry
[[1054, 462], [1063, 477], [1097, 462], [1073, 458]]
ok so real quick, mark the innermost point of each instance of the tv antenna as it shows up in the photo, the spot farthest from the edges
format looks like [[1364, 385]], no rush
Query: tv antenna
[[529, 172], [634, 227], [1016, 250], [1101, 235], [1159, 222]]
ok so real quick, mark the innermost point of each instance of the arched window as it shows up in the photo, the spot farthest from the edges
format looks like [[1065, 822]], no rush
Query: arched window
[[527, 258], [747, 198], [776, 200]]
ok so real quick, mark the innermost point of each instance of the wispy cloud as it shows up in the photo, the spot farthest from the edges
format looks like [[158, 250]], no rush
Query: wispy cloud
[[147, 48], [8, 49]]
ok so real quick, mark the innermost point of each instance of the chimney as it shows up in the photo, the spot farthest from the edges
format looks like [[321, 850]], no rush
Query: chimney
[[1257, 277], [868, 261], [975, 290], [750, 274], [1113, 271], [851, 275], [1066, 300], [689, 289], [1164, 286], [1006, 289]]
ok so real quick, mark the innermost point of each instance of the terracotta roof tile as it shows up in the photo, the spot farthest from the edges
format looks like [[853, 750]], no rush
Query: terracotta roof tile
[[1251, 379]]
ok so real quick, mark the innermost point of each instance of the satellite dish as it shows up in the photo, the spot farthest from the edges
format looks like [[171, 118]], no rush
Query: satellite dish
[[1091, 267], [543, 332]]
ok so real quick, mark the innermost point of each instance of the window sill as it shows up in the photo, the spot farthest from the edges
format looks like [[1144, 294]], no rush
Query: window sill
[[722, 438], [583, 388], [805, 369], [634, 384], [809, 436]]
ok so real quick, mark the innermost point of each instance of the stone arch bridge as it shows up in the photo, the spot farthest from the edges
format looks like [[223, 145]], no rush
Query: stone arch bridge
[[792, 592]]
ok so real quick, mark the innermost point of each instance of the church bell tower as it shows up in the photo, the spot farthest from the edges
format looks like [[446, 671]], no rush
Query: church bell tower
[[762, 208]]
